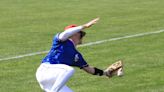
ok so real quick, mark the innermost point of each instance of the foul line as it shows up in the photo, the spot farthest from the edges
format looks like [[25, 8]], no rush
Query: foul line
[[87, 44]]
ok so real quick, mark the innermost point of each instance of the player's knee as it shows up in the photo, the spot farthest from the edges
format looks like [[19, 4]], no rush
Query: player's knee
[[71, 70]]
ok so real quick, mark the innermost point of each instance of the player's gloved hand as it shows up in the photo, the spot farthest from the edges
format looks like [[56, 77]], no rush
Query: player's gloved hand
[[114, 69], [92, 22]]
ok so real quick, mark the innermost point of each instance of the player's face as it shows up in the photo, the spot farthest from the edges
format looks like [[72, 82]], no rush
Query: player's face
[[77, 38]]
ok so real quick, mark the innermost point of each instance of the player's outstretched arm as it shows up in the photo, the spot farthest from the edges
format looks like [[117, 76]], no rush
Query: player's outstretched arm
[[96, 71], [69, 32], [113, 69], [89, 24]]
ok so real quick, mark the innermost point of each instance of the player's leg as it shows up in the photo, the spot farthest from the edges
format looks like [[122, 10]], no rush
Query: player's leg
[[65, 89], [52, 78], [65, 73], [46, 76]]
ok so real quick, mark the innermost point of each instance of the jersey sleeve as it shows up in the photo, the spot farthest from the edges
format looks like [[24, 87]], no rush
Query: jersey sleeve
[[79, 61]]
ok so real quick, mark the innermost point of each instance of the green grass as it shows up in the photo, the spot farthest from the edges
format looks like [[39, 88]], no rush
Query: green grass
[[28, 26]]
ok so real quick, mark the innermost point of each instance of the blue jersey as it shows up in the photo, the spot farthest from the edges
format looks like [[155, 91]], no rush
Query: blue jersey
[[64, 53]]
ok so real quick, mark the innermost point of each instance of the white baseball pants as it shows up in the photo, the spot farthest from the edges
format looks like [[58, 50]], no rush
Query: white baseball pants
[[53, 77]]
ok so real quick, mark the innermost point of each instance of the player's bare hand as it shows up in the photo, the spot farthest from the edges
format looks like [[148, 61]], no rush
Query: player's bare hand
[[92, 22]]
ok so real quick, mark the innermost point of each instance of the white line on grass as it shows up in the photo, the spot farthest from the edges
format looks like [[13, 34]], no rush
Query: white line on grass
[[87, 44]]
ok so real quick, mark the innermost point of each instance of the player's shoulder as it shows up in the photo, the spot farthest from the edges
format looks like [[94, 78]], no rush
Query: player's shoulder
[[57, 40], [56, 37]]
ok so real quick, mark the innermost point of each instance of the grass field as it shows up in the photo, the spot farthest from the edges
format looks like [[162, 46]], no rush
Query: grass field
[[28, 26]]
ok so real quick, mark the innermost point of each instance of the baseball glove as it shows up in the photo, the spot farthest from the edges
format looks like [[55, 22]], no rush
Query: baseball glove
[[113, 68]]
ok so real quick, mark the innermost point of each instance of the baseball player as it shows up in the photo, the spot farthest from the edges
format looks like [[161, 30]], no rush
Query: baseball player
[[56, 68]]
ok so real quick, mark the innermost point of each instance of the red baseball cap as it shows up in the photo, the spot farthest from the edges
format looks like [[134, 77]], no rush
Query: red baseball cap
[[70, 26], [82, 33]]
